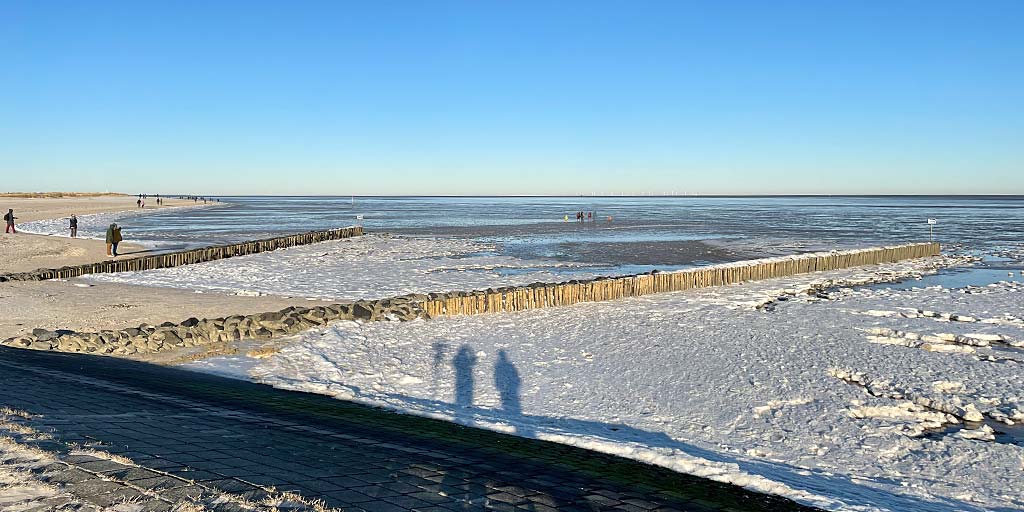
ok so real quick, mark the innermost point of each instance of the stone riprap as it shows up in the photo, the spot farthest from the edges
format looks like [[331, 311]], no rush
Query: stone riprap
[[264, 326], [196, 332], [186, 257]]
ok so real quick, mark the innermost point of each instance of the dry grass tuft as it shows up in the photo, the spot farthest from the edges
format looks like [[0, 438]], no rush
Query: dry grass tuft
[[99, 454], [188, 506], [24, 430], [7, 411]]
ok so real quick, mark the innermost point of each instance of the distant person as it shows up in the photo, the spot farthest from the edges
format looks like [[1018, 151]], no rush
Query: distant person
[[138, 202], [9, 217], [567, 218], [590, 215], [73, 224]]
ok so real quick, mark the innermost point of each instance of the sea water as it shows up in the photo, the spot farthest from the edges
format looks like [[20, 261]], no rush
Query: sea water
[[630, 232]]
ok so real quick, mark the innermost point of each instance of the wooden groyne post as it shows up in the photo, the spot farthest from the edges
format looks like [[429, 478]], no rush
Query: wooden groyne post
[[186, 257], [542, 295]]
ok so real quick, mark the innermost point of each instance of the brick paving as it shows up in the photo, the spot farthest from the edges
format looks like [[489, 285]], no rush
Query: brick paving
[[189, 431]]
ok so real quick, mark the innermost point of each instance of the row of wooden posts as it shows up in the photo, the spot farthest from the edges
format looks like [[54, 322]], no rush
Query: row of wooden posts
[[190, 256], [542, 295]]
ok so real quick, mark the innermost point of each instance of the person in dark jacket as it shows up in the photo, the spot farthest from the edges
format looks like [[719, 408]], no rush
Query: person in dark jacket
[[9, 217], [73, 224], [110, 239], [117, 237]]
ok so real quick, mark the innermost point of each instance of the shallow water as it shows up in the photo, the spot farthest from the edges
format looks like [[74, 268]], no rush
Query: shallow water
[[655, 232], [960, 277]]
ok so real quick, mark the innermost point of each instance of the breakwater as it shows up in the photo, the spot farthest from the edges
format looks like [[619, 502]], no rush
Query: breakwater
[[292, 320], [186, 257], [543, 295]]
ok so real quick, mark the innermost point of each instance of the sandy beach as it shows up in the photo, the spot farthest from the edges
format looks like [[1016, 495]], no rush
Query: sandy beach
[[25, 251], [94, 306], [84, 306]]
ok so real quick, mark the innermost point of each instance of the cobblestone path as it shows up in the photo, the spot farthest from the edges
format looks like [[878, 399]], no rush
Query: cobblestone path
[[239, 437]]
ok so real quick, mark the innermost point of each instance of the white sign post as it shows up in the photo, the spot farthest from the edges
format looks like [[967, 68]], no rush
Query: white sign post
[[931, 222]]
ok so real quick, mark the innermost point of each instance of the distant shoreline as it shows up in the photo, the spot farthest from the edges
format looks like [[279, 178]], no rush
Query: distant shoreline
[[665, 196], [58, 195]]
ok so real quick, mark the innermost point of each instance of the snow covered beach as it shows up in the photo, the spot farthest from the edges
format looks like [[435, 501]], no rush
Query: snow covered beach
[[867, 399], [706, 383]]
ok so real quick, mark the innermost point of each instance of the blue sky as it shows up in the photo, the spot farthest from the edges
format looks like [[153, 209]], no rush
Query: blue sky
[[517, 97]]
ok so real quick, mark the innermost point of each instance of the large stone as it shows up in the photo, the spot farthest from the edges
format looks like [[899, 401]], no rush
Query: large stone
[[172, 338], [40, 345], [230, 335], [271, 316], [362, 310], [262, 333], [21, 341], [69, 344], [43, 334]]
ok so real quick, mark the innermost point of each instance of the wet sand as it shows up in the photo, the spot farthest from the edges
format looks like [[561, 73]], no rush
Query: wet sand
[[612, 244], [667, 253]]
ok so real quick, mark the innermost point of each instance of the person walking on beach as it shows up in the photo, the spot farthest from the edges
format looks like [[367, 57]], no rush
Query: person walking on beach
[[9, 217], [73, 224]]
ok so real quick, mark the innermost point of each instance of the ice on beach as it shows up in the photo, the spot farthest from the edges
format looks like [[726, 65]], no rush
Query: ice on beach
[[372, 266], [796, 400]]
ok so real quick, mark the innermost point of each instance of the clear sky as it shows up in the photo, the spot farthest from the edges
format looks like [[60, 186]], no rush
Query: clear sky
[[514, 97]]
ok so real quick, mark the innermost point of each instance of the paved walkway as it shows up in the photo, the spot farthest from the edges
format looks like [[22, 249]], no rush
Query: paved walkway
[[240, 437]]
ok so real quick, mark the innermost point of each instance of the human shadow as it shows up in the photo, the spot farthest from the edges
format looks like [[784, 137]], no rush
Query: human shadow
[[463, 363], [440, 350], [508, 384], [195, 386], [609, 437]]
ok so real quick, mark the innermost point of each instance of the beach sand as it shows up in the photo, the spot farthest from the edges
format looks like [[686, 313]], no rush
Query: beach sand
[[22, 252], [78, 305]]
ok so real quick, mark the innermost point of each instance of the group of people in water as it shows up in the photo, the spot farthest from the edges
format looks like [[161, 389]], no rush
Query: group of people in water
[[196, 199], [582, 216]]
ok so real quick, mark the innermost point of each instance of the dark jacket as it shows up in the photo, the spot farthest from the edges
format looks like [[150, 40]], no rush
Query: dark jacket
[[110, 234]]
